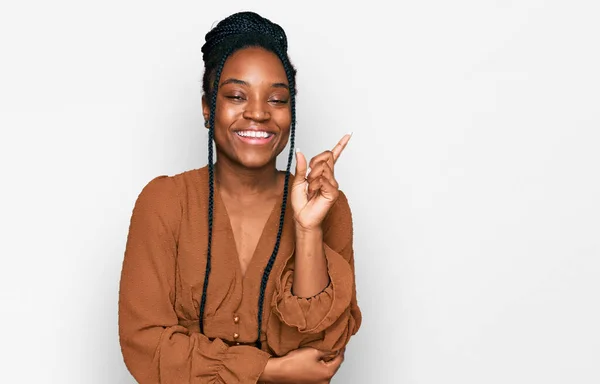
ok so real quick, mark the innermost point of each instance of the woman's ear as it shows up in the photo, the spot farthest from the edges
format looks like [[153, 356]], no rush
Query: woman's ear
[[205, 110]]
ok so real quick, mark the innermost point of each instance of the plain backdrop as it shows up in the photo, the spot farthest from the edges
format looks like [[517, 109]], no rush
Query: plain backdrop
[[473, 175]]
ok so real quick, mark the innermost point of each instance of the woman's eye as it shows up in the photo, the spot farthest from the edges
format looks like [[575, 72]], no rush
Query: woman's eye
[[278, 101], [235, 97]]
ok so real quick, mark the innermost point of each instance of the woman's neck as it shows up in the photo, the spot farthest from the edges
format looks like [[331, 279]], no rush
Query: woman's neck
[[241, 183]]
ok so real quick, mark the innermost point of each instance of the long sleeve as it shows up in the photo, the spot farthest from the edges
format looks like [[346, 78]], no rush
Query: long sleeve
[[327, 320], [156, 349]]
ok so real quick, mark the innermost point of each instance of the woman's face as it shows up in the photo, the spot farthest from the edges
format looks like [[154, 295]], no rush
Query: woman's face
[[253, 114]]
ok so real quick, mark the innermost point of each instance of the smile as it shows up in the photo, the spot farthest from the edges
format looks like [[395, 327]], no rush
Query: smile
[[258, 134], [255, 137]]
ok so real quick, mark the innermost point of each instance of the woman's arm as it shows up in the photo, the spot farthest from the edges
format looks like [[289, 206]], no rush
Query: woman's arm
[[314, 193], [310, 272], [327, 320], [156, 349], [315, 297]]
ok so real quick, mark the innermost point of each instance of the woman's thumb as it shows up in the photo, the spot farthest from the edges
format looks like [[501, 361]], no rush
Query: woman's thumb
[[300, 166]]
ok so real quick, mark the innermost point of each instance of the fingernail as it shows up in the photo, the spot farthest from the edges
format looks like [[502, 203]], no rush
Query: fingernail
[[351, 133], [308, 171], [297, 150]]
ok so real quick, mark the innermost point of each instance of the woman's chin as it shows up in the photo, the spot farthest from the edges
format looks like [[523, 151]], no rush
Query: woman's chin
[[255, 162]]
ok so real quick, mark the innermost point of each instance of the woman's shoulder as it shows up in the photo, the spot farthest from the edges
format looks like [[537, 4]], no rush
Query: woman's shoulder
[[168, 189], [339, 217], [341, 207]]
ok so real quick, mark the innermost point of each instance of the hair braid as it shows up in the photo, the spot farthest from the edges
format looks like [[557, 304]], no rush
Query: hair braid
[[238, 31], [211, 187]]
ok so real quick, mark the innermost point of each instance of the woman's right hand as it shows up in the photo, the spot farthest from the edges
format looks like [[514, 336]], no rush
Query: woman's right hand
[[302, 366]]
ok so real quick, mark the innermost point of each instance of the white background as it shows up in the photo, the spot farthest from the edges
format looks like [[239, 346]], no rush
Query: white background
[[473, 175]]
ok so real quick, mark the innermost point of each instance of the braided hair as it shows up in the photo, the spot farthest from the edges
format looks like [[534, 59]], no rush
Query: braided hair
[[238, 31]]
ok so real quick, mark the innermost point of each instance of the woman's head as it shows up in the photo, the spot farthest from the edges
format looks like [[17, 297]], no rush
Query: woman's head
[[249, 89], [252, 116], [249, 84]]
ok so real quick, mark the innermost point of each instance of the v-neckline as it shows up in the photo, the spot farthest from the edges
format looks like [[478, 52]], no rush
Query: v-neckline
[[267, 228]]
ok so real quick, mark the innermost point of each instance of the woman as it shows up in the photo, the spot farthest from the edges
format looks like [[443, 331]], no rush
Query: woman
[[220, 283]]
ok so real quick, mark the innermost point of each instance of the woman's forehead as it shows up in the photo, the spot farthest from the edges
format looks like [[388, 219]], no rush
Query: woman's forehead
[[254, 65]]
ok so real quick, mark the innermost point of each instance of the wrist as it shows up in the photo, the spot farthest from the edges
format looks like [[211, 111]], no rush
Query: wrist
[[272, 371], [308, 232]]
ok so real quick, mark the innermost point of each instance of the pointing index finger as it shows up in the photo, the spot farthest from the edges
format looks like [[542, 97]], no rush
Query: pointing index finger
[[339, 147]]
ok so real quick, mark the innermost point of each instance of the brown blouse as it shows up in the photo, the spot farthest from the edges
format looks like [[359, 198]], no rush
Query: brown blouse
[[163, 275]]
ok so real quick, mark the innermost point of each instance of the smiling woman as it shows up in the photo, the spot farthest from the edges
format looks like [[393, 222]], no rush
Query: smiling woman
[[237, 272]]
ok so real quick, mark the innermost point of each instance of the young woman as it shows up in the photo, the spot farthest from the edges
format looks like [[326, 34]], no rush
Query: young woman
[[237, 272]]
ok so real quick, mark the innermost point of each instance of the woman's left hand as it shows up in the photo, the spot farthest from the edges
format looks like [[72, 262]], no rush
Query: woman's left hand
[[314, 194]]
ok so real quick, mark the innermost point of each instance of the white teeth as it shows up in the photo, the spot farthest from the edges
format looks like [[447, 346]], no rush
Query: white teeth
[[259, 134]]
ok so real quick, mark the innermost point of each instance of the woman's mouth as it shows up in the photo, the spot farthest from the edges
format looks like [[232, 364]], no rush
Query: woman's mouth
[[255, 137]]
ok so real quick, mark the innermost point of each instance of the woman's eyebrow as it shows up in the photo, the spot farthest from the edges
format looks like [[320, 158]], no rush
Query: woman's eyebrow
[[233, 80]]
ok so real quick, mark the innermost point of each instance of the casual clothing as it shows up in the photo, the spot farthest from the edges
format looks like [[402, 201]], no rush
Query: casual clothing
[[163, 275]]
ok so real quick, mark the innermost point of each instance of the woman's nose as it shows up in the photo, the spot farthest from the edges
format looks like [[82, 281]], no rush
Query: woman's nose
[[256, 111]]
